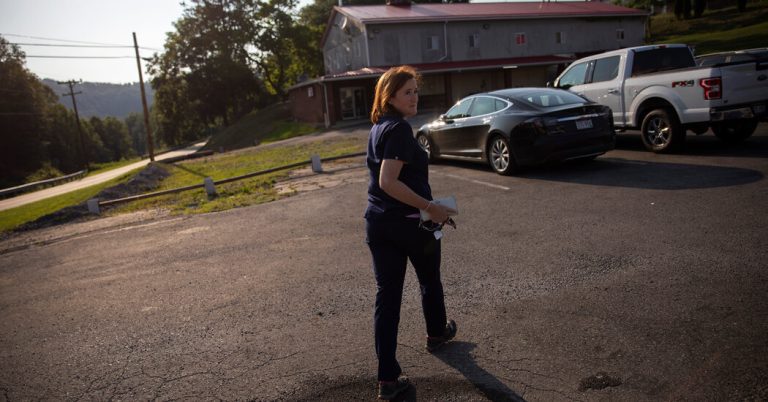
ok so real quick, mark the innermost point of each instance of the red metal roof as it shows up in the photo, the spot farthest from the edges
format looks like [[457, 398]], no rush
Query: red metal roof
[[382, 14]]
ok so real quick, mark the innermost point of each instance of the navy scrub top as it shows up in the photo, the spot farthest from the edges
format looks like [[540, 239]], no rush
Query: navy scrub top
[[392, 138]]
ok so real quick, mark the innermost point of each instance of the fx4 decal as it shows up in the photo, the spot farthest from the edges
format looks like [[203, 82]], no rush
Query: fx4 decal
[[688, 83]]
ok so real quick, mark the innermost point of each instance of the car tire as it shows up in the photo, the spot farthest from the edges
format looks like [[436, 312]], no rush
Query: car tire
[[736, 131], [500, 156], [426, 144], [662, 132]]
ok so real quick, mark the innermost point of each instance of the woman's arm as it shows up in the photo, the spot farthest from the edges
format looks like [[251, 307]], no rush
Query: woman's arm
[[389, 182]]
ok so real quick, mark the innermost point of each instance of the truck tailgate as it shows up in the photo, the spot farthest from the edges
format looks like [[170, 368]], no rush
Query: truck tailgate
[[744, 83]]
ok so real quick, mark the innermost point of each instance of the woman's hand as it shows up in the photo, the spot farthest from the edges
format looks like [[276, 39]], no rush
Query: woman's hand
[[438, 213], [389, 182]]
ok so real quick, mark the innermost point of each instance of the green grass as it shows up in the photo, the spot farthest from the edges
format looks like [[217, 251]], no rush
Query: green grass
[[717, 30], [12, 218], [271, 124], [245, 192]]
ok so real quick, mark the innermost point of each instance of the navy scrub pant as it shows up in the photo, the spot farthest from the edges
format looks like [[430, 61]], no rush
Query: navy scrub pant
[[392, 244]]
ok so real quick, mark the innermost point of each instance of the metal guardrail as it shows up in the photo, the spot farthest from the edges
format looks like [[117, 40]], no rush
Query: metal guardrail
[[40, 184], [94, 204]]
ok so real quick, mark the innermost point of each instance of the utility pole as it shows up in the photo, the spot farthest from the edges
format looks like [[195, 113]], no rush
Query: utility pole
[[150, 146], [72, 93]]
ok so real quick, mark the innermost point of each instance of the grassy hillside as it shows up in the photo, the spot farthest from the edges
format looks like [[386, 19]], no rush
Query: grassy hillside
[[270, 124], [717, 30]]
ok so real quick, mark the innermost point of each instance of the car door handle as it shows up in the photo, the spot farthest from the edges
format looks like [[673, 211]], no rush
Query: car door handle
[[613, 91], [762, 77]]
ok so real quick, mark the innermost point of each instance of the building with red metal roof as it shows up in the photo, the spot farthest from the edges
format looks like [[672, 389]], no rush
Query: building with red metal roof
[[460, 48]]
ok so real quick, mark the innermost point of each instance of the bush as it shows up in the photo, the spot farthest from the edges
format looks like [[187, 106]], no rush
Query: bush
[[47, 171]]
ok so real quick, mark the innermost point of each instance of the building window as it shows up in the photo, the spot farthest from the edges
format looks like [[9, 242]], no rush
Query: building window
[[520, 38], [474, 40], [620, 34], [433, 42], [310, 92], [559, 38]]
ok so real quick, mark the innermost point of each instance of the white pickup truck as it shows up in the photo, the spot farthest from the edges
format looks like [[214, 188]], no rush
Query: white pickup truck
[[660, 90]]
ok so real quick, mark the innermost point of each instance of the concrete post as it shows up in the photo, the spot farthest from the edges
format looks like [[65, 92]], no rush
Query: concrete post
[[210, 188], [93, 206], [317, 166]]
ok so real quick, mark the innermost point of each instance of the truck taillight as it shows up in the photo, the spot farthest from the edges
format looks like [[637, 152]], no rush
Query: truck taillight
[[712, 88]]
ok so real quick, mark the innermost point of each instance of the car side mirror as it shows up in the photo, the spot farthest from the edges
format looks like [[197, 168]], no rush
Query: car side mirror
[[445, 119], [549, 84]]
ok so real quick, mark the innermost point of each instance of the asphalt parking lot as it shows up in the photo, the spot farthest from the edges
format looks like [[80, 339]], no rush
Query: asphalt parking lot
[[636, 277]]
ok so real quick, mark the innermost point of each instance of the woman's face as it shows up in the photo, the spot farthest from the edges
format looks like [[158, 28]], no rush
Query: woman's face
[[406, 99]]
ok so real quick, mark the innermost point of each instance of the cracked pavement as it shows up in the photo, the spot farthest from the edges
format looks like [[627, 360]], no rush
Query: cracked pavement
[[555, 277]]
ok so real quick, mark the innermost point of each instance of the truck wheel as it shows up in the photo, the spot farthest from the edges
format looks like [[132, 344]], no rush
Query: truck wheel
[[736, 131], [662, 132]]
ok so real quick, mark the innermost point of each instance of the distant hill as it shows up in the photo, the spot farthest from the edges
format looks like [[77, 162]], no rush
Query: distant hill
[[102, 99]]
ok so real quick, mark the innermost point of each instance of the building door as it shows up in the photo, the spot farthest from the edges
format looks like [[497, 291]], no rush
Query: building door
[[352, 103]]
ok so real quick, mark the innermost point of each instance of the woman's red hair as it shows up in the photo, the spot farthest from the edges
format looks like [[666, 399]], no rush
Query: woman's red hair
[[386, 88]]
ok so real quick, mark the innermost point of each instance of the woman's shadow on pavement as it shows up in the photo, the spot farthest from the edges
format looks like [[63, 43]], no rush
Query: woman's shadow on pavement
[[457, 355]]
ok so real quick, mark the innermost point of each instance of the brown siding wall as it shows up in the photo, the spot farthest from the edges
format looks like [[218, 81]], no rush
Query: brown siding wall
[[308, 108]]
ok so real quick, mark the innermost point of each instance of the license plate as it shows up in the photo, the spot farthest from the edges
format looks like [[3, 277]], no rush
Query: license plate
[[583, 124]]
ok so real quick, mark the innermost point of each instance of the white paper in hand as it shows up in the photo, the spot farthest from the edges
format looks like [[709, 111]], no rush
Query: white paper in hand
[[449, 202]]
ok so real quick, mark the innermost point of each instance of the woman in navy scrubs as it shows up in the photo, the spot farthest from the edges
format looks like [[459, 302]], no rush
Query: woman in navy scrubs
[[398, 189]]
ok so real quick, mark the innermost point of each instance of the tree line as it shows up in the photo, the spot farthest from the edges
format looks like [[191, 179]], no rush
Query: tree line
[[40, 137]]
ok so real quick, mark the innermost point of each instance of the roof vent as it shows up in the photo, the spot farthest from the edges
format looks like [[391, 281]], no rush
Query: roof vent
[[399, 3]]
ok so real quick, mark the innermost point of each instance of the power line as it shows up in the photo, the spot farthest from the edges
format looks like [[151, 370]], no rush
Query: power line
[[60, 40], [56, 45], [83, 46], [82, 43], [78, 57]]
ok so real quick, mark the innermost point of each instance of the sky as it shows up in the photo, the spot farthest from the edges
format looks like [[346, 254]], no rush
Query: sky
[[109, 22]]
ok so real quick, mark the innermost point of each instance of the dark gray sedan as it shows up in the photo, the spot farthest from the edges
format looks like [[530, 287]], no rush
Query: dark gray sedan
[[521, 126]]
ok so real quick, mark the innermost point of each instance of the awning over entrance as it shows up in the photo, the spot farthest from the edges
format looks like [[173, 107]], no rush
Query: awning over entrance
[[438, 67]]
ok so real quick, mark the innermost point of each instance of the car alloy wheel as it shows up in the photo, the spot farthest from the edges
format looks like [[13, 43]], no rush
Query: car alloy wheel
[[425, 145], [500, 157]]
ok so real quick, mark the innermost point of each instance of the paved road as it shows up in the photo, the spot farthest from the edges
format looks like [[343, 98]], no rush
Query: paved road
[[638, 277], [90, 180]]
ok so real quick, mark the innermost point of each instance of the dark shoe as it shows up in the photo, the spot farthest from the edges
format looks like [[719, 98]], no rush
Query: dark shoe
[[390, 389], [435, 342]]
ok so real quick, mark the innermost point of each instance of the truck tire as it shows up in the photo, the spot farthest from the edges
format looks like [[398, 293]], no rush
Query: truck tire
[[662, 132], [735, 131]]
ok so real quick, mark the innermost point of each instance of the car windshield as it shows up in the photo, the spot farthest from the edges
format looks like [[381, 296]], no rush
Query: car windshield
[[550, 98]]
